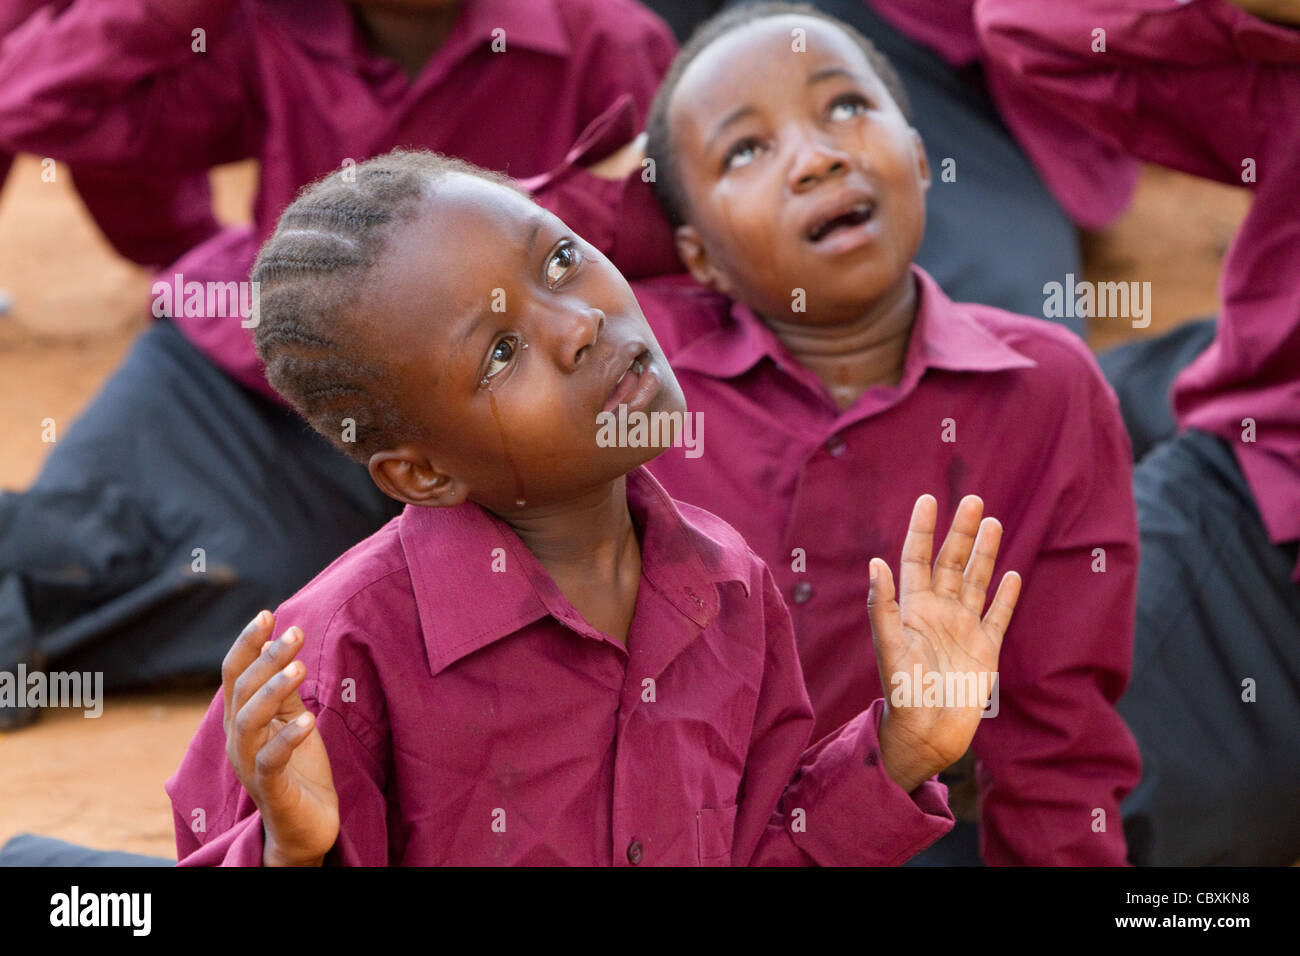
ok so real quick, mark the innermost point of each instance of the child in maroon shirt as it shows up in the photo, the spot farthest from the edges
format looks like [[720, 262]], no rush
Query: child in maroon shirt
[[785, 156], [145, 496], [544, 659]]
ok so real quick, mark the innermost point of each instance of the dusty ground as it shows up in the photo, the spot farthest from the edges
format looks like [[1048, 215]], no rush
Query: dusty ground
[[77, 308]]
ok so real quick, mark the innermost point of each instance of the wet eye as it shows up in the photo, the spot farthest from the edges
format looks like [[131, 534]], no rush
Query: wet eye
[[848, 106], [744, 152], [562, 260], [499, 358]]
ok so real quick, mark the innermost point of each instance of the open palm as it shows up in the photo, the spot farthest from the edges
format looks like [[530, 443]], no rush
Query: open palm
[[934, 635]]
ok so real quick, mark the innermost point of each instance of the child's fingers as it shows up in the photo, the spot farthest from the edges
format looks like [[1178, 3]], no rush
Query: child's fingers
[[275, 753], [278, 696], [956, 547], [975, 583], [914, 575], [998, 619], [276, 655], [882, 609], [242, 653]]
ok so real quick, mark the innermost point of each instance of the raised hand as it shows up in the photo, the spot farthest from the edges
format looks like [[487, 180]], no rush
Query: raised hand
[[934, 630], [275, 747]]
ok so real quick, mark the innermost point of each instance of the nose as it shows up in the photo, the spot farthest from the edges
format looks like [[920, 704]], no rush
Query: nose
[[577, 331], [814, 162]]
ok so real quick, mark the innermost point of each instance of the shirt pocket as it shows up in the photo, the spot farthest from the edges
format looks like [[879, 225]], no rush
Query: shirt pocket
[[715, 830]]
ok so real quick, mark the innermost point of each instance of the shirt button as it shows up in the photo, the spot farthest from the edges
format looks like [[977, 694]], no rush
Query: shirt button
[[634, 852], [695, 598], [835, 446], [802, 592]]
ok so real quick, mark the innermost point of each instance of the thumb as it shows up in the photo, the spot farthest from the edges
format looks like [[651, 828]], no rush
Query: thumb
[[886, 619]]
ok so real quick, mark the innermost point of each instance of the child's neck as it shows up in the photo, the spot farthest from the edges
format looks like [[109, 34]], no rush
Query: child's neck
[[408, 37], [851, 357], [589, 547]]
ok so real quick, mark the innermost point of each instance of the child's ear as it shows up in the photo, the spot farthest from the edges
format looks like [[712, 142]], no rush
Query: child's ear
[[922, 161], [690, 249], [406, 474]]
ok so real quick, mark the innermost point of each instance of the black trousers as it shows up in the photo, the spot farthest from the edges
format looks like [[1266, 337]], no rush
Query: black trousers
[[171, 511], [1214, 699], [1142, 374]]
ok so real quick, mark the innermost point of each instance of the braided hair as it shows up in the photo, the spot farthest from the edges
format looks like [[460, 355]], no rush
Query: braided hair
[[310, 276], [659, 145]]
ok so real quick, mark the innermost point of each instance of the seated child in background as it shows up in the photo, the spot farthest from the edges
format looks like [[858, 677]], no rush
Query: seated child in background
[[1213, 89], [798, 187], [544, 659]]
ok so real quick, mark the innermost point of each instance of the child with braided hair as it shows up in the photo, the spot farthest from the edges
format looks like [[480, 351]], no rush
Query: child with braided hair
[[544, 659]]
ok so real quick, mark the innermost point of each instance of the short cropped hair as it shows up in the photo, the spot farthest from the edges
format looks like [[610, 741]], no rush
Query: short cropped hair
[[659, 145], [310, 275]]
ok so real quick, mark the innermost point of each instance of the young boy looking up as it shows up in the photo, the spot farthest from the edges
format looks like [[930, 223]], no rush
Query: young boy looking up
[[147, 494], [785, 156], [544, 659]]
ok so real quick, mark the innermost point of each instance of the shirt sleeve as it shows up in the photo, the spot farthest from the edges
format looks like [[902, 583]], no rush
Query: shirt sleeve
[[217, 823], [1182, 84], [121, 84], [832, 804], [1056, 759]]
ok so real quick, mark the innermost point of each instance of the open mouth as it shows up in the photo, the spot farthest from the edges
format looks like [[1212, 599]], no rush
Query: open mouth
[[630, 381], [851, 218]]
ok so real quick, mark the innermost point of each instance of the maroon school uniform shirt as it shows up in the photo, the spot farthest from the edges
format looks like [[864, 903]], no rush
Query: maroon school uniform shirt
[[817, 492], [1208, 89], [1091, 179], [472, 716], [118, 85]]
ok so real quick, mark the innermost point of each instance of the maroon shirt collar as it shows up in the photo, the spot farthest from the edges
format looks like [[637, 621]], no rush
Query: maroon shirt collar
[[464, 606], [945, 336], [327, 27]]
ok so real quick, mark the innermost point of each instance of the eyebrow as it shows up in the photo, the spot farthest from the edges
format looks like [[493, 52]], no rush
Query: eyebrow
[[829, 72], [735, 116], [740, 112], [533, 230], [535, 224]]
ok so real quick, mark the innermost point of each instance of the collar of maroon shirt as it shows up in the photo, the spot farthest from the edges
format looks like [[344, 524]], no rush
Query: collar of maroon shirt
[[446, 550], [328, 29], [944, 336]]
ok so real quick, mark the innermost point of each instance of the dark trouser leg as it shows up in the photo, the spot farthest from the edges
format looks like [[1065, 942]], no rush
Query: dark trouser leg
[[175, 508], [1216, 608], [994, 235], [1142, 374], [28, 849]]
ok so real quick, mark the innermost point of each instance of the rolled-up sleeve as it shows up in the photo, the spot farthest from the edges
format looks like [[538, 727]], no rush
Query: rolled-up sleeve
[[121, 83], [1159, 79]]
